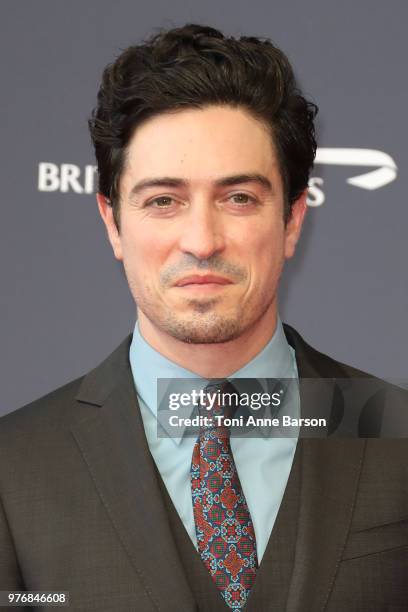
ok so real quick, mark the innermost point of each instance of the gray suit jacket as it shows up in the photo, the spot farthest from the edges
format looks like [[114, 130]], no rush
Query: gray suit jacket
[[81, 509]]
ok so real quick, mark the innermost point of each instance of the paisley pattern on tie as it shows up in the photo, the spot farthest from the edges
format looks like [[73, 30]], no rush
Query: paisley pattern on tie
[[225, 533]]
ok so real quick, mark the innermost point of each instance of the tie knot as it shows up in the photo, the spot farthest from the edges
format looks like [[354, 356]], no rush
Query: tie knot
[[221, 402]]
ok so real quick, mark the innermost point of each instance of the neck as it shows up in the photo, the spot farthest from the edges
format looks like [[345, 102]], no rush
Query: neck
[[211, 360]]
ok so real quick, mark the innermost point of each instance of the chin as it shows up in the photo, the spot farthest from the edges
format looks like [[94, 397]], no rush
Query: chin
[[218, 330]]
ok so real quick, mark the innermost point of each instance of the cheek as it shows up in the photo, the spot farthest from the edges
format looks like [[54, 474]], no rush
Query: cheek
[[266, 243], [268, 264], [143, 256]]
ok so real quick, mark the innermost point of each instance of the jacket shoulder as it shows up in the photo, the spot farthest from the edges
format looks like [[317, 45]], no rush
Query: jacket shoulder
[[48, 409], [71, 401], [315, 363]]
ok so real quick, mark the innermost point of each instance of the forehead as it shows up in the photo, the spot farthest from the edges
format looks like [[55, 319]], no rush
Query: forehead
[[200, 145]]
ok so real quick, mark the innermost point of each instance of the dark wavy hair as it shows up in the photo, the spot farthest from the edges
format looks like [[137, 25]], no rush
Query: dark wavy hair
[[192, 67]]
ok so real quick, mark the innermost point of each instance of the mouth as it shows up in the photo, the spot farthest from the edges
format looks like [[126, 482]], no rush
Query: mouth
[[203, 281]]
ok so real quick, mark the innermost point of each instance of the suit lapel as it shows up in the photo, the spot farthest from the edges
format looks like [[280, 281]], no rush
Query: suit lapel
[[330, 471], [114, 446]]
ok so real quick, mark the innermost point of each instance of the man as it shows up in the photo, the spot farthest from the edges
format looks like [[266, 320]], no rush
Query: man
[[204, 147]]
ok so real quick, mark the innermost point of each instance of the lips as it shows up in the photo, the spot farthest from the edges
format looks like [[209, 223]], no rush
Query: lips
[[198, 279]]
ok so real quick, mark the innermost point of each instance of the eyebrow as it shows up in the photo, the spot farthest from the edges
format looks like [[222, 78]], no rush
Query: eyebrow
[[227, 181]]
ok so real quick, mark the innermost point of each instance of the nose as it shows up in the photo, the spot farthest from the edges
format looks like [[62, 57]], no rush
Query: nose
[[203, 231]]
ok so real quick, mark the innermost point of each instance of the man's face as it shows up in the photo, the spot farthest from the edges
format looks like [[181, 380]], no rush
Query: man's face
[[201, 196]]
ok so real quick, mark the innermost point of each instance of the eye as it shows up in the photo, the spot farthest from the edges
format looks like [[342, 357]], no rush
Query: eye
[[160, 202], [243, 199]]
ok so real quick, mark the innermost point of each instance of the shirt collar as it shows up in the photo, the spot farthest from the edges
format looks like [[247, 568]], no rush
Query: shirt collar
[[275, 360]]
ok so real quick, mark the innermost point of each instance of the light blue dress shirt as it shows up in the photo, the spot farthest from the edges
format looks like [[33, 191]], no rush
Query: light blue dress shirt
[[263, 463]]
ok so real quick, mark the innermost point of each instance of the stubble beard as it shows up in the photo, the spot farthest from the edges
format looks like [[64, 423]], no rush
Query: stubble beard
[[204, 325]]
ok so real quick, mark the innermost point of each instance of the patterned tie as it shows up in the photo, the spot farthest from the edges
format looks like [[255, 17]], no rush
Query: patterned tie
[[225, 533]]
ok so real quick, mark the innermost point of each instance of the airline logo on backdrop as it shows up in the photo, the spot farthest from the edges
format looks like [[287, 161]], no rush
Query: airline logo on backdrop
[[385, 169], [66, 178]]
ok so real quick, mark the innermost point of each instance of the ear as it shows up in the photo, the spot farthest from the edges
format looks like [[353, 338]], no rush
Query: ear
[[294, 224], [106, 212]]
